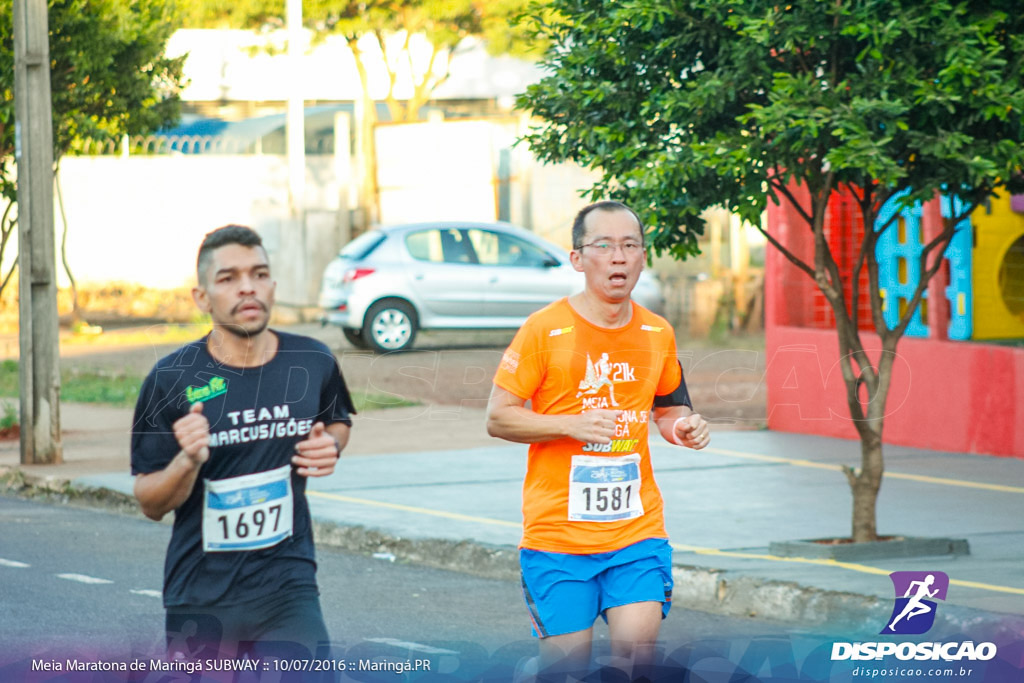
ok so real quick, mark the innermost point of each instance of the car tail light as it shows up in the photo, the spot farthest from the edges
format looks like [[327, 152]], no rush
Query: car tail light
[[353, 274]]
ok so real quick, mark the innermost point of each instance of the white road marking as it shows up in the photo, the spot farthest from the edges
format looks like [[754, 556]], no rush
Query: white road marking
[[13, 563], [415, 647], [82, 578], [147, 592]]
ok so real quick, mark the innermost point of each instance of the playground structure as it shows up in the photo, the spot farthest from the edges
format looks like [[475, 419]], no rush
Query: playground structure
[[958, 382]]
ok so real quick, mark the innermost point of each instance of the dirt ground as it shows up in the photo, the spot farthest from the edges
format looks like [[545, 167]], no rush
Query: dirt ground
[[455, 368]]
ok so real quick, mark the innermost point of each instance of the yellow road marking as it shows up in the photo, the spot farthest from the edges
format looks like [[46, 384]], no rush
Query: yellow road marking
[[956, 482], [416, 510], [987, 586], [852, 566], [775, 558], [798, 462]]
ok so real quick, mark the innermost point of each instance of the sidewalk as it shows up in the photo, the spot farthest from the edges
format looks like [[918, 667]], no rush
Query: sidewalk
[[427, 483]]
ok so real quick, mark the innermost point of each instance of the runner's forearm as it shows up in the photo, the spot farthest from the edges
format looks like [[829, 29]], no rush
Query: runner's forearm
[[522, 425], [160, 492]]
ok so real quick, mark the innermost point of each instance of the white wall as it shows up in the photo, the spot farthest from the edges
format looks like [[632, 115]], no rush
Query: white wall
[[140, 219]]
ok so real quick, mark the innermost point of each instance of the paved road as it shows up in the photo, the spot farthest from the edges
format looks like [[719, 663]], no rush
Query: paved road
[[86, 583]]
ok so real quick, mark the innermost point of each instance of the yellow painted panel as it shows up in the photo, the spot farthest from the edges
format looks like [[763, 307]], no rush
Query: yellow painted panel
[[996, 230]]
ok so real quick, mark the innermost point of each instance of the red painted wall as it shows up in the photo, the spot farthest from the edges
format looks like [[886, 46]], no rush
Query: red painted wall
[[952, 396]]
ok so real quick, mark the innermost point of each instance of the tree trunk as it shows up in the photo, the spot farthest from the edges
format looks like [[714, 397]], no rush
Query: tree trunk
[[859, 372], [396, 109], [424, 89], [367, 120], [865, 486]]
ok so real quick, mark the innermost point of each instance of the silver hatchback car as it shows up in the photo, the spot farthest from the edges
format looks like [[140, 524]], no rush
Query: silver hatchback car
[[389, 283]]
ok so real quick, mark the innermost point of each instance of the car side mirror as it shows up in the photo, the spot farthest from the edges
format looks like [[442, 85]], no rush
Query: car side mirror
[[551, 262]]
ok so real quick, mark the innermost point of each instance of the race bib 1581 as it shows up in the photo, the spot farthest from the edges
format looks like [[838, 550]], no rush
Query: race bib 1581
[[604, 489]]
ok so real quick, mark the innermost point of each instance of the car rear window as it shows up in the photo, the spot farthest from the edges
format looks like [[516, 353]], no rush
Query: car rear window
[[361, 246]]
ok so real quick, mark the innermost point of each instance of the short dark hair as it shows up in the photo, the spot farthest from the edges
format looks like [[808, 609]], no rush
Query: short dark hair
[[215, 239], [579, 228]]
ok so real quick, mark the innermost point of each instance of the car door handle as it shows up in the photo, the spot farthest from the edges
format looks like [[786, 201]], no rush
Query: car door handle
[[418, 276]]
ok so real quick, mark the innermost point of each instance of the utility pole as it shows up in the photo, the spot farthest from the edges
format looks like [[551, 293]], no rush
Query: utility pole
[[37, 294], [293, 261], [295, 126]]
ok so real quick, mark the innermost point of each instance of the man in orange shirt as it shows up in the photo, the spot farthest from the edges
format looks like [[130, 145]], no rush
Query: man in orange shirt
[[595, 367]]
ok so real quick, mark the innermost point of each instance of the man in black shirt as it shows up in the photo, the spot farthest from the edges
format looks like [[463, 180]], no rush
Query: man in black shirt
[[226, 431]]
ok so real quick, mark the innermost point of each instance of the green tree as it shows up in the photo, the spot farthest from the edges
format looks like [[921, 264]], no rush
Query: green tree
[[381, 33], [687, 104], [387, 28], [108, 77], [444, 24]]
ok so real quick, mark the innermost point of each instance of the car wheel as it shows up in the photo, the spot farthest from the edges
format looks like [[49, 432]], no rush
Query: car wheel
[[390, 326], [354, 337]]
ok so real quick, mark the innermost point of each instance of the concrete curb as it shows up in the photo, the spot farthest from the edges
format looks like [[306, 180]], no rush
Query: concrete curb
[[16, 482], [718, 591], [469, 557]]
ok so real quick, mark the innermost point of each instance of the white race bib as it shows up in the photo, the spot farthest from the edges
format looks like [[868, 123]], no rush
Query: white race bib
[[249, 512], [604, 489]]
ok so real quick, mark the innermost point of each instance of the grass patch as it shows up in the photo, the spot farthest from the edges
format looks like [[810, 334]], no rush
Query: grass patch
[[121, 391], [9, 419], [366, 400], [153, 335], [81, 386], [94, 386]]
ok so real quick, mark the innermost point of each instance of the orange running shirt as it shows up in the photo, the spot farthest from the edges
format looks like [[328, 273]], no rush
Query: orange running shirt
[[590, 498]]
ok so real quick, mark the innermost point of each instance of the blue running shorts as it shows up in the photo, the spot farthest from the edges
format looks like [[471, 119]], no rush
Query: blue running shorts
[[566, 593]]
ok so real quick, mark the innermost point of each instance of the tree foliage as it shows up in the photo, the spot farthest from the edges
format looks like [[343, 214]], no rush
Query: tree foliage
[[687, 104], [230, 13], [443, 23], [382, 32], [108, 77]]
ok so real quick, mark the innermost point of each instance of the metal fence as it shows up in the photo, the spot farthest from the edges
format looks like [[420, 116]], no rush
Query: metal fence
[[195, 144], [167, 144]]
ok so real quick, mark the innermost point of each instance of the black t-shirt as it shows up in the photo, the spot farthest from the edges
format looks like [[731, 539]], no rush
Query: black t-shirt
[[256, 416]]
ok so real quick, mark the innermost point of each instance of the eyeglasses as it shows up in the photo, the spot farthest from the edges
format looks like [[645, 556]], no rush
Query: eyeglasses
[[606, 248]]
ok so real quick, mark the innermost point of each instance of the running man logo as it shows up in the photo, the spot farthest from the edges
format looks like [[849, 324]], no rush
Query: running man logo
[[216, 387], [603, 373], [914, 611]]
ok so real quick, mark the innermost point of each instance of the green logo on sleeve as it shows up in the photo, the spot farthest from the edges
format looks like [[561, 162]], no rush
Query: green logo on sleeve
[[216, 387]]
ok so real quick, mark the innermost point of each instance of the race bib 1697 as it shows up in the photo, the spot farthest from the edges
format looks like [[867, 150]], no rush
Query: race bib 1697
[[249, 512]]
